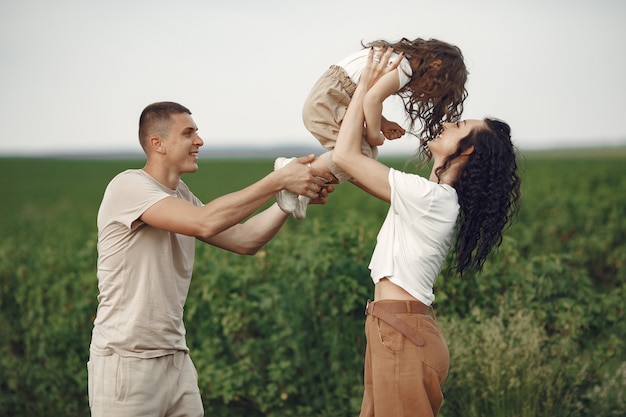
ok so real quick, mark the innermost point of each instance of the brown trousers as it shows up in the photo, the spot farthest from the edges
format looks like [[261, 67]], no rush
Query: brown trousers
[[401, 378]]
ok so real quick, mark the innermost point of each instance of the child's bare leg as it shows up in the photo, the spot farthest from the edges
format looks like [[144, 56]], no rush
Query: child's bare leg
[[321, 166], [332, 168]]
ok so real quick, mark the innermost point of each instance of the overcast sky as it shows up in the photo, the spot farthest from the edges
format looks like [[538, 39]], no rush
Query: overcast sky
[[75, 75]]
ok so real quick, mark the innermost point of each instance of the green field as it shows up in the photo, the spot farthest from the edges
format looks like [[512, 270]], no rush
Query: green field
[[541, 332]]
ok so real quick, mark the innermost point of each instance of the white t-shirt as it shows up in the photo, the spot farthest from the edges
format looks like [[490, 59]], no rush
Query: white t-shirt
[[354, 65], [416, 236], [143, 272]]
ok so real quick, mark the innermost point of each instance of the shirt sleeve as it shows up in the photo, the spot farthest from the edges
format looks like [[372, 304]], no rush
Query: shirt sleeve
[[130, 195], [404, 72], [409, 194], [354, 65]]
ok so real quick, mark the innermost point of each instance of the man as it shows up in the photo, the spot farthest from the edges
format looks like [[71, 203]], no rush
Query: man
[[147, 225]]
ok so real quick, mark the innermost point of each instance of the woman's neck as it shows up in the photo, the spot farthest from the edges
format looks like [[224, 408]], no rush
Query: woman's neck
[[447, 176]]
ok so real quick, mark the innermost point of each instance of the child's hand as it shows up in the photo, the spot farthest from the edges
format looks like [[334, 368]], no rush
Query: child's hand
[[391, 130]]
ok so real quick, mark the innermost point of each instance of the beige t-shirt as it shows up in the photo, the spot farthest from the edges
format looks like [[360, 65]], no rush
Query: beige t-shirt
[[143, 272], [354, 65]]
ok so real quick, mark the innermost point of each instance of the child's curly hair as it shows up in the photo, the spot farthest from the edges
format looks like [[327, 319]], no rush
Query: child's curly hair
[[436, 91]]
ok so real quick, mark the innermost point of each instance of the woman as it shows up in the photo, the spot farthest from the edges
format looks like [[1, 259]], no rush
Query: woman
[[472, 192]]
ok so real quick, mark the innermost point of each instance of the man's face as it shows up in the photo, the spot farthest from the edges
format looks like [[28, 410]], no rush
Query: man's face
[[182, 143]]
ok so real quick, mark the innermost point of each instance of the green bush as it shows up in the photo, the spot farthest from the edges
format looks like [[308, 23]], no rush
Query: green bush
[[288, 323], [540, 331], [46, 308]]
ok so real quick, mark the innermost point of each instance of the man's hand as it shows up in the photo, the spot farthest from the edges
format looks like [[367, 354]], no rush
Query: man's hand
[[300, 178], [322, 196]]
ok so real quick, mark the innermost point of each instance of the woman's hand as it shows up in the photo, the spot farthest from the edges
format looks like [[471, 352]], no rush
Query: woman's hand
[[378, 65]]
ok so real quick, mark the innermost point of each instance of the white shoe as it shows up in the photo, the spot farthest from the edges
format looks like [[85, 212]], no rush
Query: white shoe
[[287, 201], [301, 205]]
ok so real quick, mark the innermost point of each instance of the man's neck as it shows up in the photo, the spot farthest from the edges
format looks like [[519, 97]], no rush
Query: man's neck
[[161, 174]]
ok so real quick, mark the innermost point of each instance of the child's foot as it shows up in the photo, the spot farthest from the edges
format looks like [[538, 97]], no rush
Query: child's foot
[[301, 205], [287, 201]]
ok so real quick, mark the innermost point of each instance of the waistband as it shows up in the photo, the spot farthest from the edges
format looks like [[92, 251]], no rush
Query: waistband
[[385, 310], [397, 307], [340, 74]]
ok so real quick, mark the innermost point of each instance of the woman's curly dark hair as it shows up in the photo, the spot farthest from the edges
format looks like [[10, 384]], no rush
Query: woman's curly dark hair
[[436, 91], [488, 188]]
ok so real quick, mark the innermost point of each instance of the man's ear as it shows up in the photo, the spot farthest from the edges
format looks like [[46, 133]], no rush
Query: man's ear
[[156, 144]]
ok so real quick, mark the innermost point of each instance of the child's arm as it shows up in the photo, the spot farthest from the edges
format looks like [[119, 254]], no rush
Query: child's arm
[[391, 130], [370, 174], [373, 106]]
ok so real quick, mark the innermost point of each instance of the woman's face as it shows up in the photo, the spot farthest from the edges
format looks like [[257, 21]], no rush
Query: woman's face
[[448, 141]]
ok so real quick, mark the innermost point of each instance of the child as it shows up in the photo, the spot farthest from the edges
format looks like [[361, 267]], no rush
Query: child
[[430, 80]]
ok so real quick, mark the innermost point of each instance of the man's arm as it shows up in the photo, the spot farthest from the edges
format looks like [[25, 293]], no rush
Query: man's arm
[[248, 237], [217, 216]]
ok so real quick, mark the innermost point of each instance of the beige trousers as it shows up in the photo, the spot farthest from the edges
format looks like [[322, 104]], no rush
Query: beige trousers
[[166, 386], [324, 110]]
